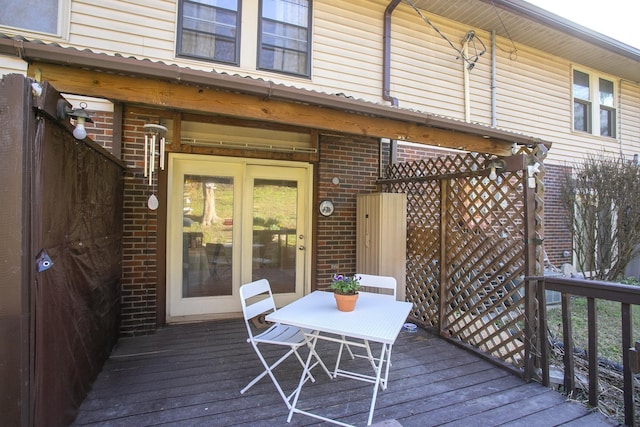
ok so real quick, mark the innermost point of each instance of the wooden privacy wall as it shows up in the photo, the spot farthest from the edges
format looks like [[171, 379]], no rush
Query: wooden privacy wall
[[471, 240]]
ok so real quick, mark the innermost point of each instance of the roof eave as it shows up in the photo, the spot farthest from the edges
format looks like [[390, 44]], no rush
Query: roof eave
[[566, 26]]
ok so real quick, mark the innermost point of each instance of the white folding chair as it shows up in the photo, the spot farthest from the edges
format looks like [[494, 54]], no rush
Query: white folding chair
[[380, 284], [276, 334]]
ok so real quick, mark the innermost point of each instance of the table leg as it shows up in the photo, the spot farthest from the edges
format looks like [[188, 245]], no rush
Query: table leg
[[312, 349], [376, 384], [386, 374], [311, 344]]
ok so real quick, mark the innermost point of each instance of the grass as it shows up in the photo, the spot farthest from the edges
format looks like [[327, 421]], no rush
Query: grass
[[609, 326], [274, 203]]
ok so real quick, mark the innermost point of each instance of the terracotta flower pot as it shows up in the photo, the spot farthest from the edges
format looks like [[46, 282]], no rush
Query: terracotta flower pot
[[345, 302]]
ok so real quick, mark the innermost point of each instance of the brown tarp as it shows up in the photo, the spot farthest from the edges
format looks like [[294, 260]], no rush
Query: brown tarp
[[76, 219], [79, 199]]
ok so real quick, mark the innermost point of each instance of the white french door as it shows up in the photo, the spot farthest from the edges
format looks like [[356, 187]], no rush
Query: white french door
[[232, 221]]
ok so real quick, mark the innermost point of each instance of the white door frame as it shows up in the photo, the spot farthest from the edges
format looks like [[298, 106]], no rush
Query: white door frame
[[179, 164]]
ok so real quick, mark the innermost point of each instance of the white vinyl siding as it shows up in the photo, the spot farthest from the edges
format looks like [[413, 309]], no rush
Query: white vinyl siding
[[533, 90], [533, 96], [12, 65], [129, 28], [425, 73], [347, 53], [629, 118]]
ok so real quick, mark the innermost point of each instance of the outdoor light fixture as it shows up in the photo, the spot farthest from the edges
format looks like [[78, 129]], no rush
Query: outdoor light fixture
[[493, 175], [80, 115], [494, 166], [153, 133]]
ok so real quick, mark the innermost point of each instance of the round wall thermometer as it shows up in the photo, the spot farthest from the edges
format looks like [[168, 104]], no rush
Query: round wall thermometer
[[326, 207]]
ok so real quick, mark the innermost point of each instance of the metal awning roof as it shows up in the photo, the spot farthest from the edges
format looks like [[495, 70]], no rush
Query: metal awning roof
[[35, 51]]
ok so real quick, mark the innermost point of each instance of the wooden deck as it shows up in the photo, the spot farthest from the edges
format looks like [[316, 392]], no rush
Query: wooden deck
[[191, 375]]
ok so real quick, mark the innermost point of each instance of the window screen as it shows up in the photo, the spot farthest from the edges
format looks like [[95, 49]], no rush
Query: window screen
[[209, 30], [284, 36]]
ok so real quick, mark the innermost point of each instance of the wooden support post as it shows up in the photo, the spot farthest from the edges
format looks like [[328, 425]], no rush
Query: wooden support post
[[532, 339], [443, 323], [592, 320], [634, 358], [542, 327], [629, 410], [116, 136], [567, 336]]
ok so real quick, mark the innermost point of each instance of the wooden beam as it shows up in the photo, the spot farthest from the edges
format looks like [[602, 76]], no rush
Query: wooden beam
[[190, 98]]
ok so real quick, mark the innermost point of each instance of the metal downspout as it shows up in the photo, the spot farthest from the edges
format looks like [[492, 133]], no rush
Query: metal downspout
[[386, 79], [465, 78], [386, 55], [494, 119]]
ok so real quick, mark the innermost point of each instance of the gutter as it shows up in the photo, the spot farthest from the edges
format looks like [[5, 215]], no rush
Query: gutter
[[144, 68]]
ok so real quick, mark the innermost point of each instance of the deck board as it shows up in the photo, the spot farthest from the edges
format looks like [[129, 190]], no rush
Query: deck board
[[191, 375]]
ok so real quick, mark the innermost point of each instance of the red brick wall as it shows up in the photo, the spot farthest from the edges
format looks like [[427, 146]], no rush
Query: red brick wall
[[410, 153], [138, 301], [354, 161], [140, 223], [101, 130], [139, 284], [557, 230]]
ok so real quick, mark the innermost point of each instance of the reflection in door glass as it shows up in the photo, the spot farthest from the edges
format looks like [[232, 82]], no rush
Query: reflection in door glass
[[274, 233], [207, 227]]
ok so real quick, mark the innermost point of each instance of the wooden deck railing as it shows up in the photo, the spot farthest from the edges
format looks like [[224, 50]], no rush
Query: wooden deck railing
[[626, 295]]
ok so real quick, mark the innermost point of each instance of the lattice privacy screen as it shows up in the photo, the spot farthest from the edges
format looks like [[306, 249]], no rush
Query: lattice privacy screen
[[467, 247]]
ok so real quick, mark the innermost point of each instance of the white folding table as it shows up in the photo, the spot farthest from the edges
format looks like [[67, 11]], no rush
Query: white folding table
[[376, 318]]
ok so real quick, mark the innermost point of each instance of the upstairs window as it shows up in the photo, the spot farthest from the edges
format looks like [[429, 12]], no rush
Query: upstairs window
[[40, 16], [586, 89], [284, 36], [209, 29], [607, 109], [581, 102]]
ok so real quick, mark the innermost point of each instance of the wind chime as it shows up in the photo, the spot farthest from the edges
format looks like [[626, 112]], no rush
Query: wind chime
[[154, 135]]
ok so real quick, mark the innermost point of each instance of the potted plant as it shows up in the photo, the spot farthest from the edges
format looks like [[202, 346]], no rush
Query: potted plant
[[345, 291]]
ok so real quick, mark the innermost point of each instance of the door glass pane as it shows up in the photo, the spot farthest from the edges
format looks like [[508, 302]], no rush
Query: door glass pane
[[275, 205], [207, 236]]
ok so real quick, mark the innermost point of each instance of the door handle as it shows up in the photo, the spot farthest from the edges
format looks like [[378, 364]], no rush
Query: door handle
[[301, 248]]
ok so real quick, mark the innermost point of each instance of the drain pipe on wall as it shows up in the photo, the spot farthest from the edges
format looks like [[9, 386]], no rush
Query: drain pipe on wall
[[386, 54], [494, 120], [386, 81], [465, 74]]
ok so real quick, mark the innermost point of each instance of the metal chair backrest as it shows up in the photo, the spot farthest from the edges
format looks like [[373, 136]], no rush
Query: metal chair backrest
[[264, 303], [383, 284]]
